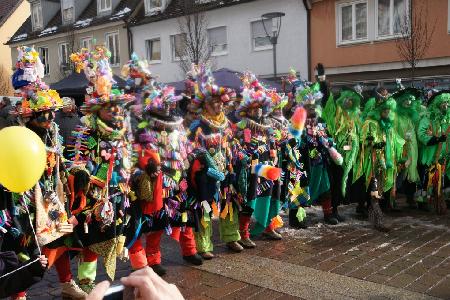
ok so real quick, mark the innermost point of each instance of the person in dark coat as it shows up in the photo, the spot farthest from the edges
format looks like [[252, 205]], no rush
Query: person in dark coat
[[4, 112], [15, 275], [67, 119]]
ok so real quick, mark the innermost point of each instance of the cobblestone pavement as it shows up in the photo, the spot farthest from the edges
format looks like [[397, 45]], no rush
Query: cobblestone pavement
[[348, 261]]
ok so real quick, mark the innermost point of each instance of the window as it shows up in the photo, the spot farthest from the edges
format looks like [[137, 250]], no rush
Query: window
[[391, 17], [43, 53], [153, 50], [86, 42], [36, 16], [68, 15], [112, 43], [260, 40], [217, 39], [152, 6], [104, 6], [178, 45], [63, 51], [352, 21]]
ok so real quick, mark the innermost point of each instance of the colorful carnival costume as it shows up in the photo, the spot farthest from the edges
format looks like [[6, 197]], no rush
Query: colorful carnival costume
[[258, 176], [47, 202], [406, 123], [294, 188], [317, 148], [212, 134], [432, 133], [381, 150], [160, 183], [342, 117], [100, 156]]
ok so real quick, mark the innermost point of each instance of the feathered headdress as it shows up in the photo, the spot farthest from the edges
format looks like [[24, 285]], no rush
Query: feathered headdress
[[302, 91], [160, 95], [136, 72], [200, 78], [253, 95], [36, 96], [97, 69]]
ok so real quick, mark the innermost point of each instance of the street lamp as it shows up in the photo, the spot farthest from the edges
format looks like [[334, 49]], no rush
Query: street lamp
[[273, 34]]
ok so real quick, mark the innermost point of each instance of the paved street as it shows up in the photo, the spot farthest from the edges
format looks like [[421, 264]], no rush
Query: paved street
[[348, 261]]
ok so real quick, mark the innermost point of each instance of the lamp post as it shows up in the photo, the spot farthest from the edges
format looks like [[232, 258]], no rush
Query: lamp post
[[273, 34]]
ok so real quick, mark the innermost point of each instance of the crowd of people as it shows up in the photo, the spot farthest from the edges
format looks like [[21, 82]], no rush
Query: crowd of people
[[143, 162]]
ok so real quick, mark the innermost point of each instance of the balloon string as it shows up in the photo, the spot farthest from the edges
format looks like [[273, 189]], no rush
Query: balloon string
[[18, 269]]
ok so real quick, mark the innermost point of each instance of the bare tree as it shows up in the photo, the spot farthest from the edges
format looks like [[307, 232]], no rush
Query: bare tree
[[191, 45], [416, 32], [6, 88]]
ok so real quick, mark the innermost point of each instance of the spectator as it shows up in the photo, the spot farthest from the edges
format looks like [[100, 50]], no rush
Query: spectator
[[4, 112], [67, 119]]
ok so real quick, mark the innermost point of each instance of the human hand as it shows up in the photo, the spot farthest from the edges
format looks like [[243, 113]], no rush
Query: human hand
[[43, 261], [99, 291], [149, 286]]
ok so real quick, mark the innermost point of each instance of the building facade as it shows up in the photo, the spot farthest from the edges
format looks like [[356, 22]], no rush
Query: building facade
[[356, 40], [12, 14], [235, 33], [56, 28]]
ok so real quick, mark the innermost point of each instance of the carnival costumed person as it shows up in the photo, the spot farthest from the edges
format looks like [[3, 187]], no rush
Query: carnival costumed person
[[160, 183], [432, 134], [381, 150], [100, 156], [212, 133], [408, 108], [47, 201], [258, 178], [342, 117], [316, 147], [294, 188], [138, 76], [287, 143]]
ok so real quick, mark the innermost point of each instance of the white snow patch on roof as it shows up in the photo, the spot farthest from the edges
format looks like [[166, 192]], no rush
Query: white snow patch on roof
[[120, 13], [20, 37], [83, 23], [48, 30]]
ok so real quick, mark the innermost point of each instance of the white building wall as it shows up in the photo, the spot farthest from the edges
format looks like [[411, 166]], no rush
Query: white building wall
[[291, 49]]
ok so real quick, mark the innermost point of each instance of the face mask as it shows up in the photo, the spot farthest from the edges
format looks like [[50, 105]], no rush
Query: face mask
[[45, 116]]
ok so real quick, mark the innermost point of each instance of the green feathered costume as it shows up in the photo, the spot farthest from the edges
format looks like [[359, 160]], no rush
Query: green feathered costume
[[407, 117], [344, 125], [432, 133], [381, 146]]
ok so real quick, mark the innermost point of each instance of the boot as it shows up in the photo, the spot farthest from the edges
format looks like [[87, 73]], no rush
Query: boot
[[72, 291], [235, 247], [330, 220], [337, 216], [376, 216], [207, 255], [272, 235], [159, 270], [195, 259], [293, 220], [328, 211], [247, 243]]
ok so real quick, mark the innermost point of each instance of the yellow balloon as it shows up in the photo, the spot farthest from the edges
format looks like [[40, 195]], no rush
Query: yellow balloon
[[22, 158]]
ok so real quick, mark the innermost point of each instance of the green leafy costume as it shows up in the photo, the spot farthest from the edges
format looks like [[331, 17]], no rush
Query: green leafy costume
[[344, 125], [381, 160], [434, 146]]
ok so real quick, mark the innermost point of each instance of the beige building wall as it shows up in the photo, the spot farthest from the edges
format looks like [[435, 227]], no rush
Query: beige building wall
[[98, 33], [7, 30]]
